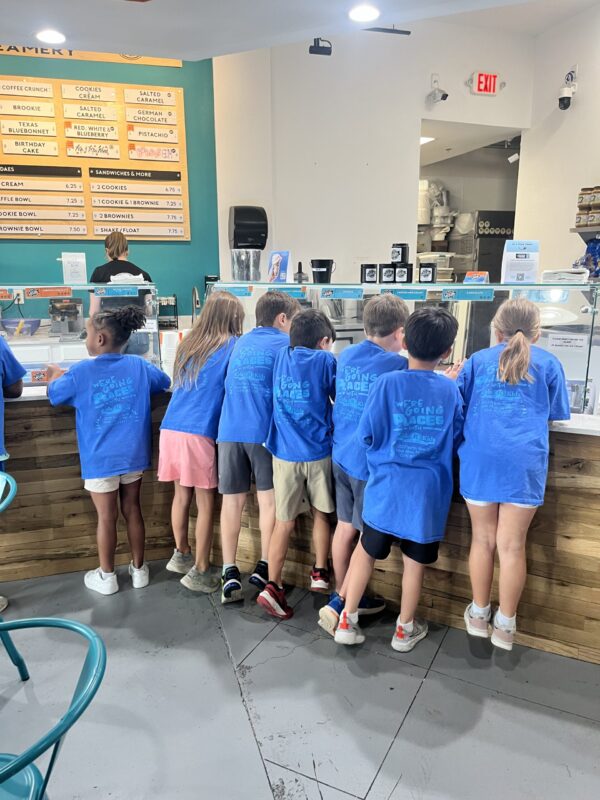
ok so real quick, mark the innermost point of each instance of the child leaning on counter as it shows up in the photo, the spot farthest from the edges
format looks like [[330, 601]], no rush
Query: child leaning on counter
[[111, 396]]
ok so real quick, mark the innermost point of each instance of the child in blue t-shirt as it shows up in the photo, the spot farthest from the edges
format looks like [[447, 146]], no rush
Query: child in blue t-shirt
[[11, 372], [243, 430], [111, 396], [189, 429], [300, 440], [511, 391], [410, 428], [358, 367]]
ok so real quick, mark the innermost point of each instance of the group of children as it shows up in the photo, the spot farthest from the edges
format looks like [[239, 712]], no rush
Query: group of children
[[371, 436]]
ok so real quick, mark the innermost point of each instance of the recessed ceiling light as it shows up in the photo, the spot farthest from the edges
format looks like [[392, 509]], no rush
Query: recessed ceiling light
[[427, 139], [49, 36], [364, 13]]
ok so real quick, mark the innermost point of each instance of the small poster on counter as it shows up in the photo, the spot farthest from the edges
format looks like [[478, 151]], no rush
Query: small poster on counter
[[279, 261], [520, 262]]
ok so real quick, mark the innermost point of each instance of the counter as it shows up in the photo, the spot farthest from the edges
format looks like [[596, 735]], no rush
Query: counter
[[50, 529]]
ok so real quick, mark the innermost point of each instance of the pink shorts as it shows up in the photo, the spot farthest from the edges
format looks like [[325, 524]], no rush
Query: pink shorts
[[188, 458]]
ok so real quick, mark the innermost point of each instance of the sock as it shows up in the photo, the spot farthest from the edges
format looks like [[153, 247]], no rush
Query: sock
[[263, 561], [226, 567], [508, 623], [352, 616], [407, 627], [480, 611], [106, 575]]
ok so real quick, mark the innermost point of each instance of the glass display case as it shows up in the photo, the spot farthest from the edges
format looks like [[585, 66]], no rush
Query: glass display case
[[46, 324], [567, 312]]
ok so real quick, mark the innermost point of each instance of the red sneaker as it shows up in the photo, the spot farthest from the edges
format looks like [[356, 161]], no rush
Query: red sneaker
[[272, 599], [319, 579]]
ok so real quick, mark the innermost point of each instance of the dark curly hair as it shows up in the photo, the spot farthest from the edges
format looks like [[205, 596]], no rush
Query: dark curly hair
[[119, 322]]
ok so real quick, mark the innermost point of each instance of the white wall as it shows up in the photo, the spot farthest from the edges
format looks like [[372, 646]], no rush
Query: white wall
[[560, 153], [243, 140], [345, 132], [482, 179]]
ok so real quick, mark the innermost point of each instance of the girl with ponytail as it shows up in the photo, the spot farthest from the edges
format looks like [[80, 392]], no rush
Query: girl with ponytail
[[111, 396], [511, 391], [189, 430]]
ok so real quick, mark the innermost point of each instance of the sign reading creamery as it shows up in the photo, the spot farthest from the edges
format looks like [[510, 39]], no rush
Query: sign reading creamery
[[78, 156], [85, 55]]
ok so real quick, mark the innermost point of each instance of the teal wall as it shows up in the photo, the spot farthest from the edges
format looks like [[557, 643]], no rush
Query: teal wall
[[175, 266]]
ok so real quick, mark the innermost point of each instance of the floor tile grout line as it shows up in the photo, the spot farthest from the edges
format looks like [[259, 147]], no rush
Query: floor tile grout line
[[258, 644], [240, 689], [431, 663], [387, 752], [316, 780], [516, 697]]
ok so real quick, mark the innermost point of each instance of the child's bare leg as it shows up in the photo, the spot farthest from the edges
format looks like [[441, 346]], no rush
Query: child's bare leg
[[205, 501], [359, 574], [266, 520], [341, 551], [129, 494], [180, 516], [484, 524], [232, 507], [107, 509], [321, 535], [278, 548], [513, 524], [412, 584]]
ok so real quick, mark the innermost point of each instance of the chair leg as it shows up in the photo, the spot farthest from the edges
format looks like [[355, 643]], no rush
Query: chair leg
[[14, 655]]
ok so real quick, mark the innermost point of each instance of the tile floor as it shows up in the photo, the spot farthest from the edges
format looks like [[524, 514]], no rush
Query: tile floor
[[205, 701]]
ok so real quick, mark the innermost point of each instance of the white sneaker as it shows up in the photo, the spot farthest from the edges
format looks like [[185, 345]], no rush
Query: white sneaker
[[94, 580], [140, 577], [3, 603], [180, 562], [404, 642], [348, 632]]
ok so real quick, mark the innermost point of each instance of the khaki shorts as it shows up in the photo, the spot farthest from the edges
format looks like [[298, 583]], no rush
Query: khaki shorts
[[104, 485], [299, 484]]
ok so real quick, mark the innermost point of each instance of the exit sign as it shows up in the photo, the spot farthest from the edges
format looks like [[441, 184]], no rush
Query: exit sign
[[487, 83]]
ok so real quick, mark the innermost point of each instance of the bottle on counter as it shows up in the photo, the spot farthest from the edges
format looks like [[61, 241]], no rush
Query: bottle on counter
[[300, 276]]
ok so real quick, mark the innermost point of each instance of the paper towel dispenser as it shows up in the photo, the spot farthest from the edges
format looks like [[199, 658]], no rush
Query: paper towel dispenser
[[248, 228]]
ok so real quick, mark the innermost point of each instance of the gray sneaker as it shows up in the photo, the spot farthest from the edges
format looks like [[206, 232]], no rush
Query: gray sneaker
[[197, 581], [3, 603], [404, 642], [180, 562]]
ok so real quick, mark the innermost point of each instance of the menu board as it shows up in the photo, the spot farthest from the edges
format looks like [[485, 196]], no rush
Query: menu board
[[79, 160]]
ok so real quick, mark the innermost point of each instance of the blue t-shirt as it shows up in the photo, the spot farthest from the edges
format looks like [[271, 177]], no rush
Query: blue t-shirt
[[196, 408], [358, 367], [12, 371], [248, 406], [303, 388], [504, 456], [111, 396], [410, 428]]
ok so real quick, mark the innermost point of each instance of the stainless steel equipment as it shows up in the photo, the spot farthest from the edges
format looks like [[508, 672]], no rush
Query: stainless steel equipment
[[245, 265], [66, 318]]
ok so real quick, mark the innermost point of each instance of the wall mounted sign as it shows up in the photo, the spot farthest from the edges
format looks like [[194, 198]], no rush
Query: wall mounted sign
[[116, 152], [485, 83], [85, 55]]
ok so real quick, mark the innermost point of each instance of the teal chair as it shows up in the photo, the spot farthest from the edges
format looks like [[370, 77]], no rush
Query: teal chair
[[20, 779], [7, 480]]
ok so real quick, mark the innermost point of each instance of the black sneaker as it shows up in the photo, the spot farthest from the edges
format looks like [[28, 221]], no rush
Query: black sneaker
[[231, 586], [260, 576]]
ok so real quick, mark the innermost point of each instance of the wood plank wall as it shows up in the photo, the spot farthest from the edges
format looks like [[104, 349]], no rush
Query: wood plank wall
[[50, 529]]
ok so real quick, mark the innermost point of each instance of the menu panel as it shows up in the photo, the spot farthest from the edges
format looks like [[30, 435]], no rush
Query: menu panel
[[54, 136]]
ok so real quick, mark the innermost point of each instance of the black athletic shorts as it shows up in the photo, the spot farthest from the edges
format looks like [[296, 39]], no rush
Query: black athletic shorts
[[378, 545], [239, 463]]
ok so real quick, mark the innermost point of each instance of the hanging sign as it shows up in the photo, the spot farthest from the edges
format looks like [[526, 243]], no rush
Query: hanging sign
[[485, 83]]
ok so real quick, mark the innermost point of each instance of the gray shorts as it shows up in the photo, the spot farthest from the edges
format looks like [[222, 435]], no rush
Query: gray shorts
[[239, 463], [349, 495]]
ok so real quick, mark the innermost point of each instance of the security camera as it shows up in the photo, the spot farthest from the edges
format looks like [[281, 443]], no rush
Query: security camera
[[565, 96], [320, 47], [437, 95]]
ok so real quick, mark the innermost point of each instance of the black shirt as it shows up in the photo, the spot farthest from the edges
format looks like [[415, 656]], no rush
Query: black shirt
[[106, 272]]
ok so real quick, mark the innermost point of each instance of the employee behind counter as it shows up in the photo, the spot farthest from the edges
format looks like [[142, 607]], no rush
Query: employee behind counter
[[118, 269]]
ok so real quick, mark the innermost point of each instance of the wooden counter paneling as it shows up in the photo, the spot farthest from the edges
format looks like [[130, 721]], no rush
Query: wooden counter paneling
[[50, 528], [51, 525], [560, 609]]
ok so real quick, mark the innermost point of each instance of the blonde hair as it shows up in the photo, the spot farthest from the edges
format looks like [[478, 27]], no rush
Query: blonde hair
[[116, 245], [518, 322], [220, 319]]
